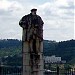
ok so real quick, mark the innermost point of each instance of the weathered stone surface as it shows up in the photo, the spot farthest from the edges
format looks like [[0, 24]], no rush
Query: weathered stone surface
[[32, 44]]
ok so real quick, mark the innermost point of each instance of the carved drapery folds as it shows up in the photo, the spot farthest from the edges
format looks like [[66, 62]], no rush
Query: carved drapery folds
[[33, 27]]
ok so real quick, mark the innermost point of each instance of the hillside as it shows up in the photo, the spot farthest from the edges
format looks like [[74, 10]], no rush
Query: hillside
[[11, 49], [64, 49]]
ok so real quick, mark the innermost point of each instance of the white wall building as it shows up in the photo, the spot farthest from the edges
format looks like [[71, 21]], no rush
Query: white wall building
[[52, 59]]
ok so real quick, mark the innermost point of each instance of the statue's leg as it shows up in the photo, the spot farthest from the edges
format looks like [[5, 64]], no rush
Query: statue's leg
[[34, 46], [37, 45], [31, 45], [36, 50], [32, 57]]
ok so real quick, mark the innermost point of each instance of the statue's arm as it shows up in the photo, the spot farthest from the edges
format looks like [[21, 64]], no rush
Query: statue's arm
[[41, 23], [23, 22], [40, 20]]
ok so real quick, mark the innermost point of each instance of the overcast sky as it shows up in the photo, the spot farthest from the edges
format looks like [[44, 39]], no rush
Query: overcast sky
[[58, 17]]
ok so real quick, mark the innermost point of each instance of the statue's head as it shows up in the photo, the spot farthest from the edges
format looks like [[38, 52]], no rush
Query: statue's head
[[33, 11]]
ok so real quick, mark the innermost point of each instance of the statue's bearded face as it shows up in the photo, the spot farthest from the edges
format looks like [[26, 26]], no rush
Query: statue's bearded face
[[33, 12]]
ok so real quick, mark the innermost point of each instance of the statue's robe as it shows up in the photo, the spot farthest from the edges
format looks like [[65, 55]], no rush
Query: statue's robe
[[33, 26]]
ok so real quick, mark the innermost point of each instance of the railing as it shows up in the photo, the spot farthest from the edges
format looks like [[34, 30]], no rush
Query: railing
[[17, 70], [59, 71], [10, 70]]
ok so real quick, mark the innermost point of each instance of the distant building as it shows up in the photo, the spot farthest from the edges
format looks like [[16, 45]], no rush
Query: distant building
[[52, 59]]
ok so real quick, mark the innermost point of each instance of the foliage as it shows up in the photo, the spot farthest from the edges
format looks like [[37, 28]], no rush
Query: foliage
[[11, 50]]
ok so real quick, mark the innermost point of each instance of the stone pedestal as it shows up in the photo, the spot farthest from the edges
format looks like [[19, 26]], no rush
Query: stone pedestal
[[27, 66]]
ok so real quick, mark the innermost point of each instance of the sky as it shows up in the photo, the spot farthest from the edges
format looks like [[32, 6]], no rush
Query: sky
[[58, 17]]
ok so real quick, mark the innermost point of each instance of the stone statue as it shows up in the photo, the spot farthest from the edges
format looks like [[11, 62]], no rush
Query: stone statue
[[32, 25]]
